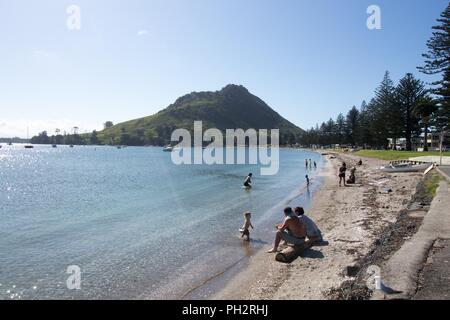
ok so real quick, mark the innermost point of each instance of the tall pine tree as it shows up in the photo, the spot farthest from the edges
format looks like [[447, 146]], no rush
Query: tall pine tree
[[386, 118], [364, 133], [352, 126], [409, 92], [437, 62], [340, 129]]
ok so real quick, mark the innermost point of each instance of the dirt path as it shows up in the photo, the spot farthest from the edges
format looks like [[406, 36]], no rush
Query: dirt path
[[351, 219]]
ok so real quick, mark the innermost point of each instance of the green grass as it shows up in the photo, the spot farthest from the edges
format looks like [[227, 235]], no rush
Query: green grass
[[397, 155], [431, 185]]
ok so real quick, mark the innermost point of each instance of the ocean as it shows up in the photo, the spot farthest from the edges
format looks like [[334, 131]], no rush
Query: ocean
[[136, 225]]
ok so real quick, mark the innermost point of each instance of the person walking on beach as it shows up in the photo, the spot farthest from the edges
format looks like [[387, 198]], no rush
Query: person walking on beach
[[342, 170], [315, 165], [307, 180], [306, 163], [291, 230], [310, 165], [312, 231], [245, 230]]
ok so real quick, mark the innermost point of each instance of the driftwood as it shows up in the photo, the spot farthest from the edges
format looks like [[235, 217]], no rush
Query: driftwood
[[288, 254]]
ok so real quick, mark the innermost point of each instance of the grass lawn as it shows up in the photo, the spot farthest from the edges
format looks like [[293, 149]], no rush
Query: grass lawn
[[397, 155]]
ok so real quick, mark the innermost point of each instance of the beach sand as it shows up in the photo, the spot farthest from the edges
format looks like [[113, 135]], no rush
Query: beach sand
[[351, 219]]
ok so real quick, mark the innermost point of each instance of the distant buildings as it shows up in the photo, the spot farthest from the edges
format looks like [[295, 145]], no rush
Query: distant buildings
[[433, 143]]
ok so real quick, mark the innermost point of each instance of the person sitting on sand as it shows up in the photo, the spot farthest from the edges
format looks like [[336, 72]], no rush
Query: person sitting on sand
[[248, 181], [291, 230], [342, 170], [360, 162], [247, 224], [352, 179], [312, 231]]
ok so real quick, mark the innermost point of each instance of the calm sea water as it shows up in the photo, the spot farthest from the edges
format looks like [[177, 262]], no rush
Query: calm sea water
[[137, 225]]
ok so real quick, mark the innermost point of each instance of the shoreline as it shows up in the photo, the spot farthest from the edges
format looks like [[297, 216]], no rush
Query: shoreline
[[351, 219], [210, 287]]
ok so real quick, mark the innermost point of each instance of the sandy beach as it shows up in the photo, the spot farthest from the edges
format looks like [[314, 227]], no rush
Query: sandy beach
[[351, 218]]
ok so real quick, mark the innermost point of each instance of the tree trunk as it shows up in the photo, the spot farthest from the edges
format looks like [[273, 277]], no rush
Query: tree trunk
[[425, 145], [408, 130]]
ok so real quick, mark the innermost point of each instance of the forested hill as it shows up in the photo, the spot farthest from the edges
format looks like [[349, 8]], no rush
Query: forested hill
[[230, 108]]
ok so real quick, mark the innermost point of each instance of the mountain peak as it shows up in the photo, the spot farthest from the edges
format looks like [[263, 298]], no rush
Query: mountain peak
[[229, 108], [234, 87]]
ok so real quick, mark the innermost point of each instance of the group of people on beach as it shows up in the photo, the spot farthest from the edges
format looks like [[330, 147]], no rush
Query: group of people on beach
[[352, 178], [309, 162], [296, 226], [294, 229]]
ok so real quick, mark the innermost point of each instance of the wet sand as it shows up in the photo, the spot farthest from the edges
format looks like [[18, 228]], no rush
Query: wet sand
[[351, 219]]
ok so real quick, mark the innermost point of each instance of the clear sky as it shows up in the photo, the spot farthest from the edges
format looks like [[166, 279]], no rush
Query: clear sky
[[308, 59]]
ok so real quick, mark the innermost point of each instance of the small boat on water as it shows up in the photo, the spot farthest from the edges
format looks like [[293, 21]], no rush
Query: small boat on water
[[28, 146], [71, 146], [168, 149], [54, 146]]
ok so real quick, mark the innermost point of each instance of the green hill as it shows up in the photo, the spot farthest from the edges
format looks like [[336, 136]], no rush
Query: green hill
[[230, 108]]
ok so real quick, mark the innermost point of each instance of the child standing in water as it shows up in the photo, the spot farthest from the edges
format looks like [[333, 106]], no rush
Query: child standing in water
[[307, 180], [247, 224]]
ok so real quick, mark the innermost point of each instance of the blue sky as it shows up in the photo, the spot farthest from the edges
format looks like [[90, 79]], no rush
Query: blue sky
[[309, 60]]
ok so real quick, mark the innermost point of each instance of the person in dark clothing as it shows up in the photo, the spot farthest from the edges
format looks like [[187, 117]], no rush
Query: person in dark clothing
[[248, 181], [342, 171]]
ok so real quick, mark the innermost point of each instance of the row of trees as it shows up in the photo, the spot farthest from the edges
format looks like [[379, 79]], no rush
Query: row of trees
[[68, 139], [397, 111], [406, 110], [65, 139]]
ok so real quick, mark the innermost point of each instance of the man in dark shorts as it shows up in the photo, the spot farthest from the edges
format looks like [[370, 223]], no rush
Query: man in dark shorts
[[291, 230]]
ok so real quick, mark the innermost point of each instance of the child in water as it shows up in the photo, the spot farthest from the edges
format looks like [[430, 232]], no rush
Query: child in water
[[307, 180], [247, 224]]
